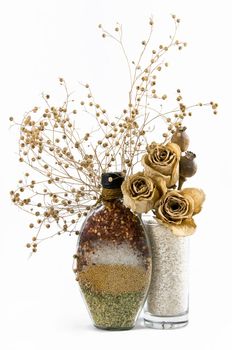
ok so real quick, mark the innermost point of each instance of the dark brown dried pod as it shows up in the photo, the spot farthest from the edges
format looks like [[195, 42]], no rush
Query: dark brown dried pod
[[187, 167], [180, 137]]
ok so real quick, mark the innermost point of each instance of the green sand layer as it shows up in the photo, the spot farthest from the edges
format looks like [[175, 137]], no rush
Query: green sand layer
[[113, 311]]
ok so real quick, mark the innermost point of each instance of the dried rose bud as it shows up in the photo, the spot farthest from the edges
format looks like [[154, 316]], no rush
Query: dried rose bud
[[187, 167], [181, 138]]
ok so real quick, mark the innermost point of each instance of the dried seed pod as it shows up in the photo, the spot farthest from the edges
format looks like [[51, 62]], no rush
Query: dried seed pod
[[187, 167], [181, 138]]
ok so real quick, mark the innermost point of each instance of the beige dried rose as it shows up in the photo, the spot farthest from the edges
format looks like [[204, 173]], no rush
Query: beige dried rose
[[140, 192], [163, 160], [198, 197], [176, 209]]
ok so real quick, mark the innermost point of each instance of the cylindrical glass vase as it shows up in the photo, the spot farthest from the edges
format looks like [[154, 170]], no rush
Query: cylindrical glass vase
[[167, 301]]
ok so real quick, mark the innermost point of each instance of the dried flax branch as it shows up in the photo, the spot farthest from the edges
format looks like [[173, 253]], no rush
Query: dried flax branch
[[69, 161]]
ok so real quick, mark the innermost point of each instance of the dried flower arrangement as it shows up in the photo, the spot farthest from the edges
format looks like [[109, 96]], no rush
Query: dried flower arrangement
[[70, 161]]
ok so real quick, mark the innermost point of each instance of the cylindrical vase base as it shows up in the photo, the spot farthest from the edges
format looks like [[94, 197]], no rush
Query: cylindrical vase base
[[165, 322]]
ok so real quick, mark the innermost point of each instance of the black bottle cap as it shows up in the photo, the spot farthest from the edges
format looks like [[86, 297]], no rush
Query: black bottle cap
[[112, 180]]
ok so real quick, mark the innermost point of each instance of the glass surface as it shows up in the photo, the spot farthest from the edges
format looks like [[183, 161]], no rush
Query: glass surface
[[113, 265], [167, 300], [165, 322]]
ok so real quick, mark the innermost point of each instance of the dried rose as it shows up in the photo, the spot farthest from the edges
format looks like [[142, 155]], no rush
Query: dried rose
[[176, 209], [163, 160], [198, 197], [140, 192]]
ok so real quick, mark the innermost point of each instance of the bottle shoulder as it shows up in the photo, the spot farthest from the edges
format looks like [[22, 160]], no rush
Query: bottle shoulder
[[114, 221], [113, 212]]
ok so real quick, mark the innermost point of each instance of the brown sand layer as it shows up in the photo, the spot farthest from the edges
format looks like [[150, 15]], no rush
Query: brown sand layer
[[114, 279]]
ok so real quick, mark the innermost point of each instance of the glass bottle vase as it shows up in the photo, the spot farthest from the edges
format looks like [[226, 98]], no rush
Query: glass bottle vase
[[113, 264], [168, 297]]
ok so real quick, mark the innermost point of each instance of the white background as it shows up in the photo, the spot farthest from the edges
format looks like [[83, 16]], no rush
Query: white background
[[40, 305]]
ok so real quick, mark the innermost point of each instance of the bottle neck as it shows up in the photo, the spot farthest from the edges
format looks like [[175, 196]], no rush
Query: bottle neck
[[111, 194]]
